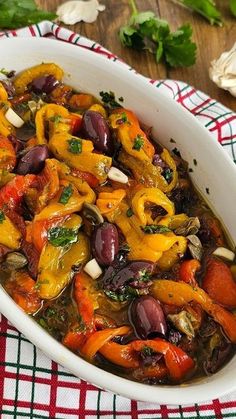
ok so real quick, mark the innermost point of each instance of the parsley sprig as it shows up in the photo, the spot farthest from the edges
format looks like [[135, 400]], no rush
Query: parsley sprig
[[146, 31], [206, 8]]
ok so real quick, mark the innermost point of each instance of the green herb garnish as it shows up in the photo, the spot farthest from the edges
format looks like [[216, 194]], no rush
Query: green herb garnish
[[232, 5], [138, 142], [56, 119], [129, 212], [168, 174], [109, 100], [206, 8], [146, 31], [2, 217], [75, 145], [61, 236], [66, 194], [155, 229], [127, 294], [16, 14], [147, 351]]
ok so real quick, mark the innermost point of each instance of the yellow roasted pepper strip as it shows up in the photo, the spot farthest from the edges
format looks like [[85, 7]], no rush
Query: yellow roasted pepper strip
[[23, 79], [55, 262], [132, 137], [55, 116], [5, 127], [180, 293], [3, 93], [9, 234], [85, 160], [56, 208], [171, 256], [173, 221], [109, 201], [150, 195], [147, 174]]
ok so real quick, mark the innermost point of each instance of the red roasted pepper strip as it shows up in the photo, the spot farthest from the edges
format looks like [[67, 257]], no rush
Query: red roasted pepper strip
[[219, 283], [7, 154], [88, 177], [22, 289], [188, 270], [177, 361], [122, 355], [40, 230], [98, 339], [12, 193], [75, 122]]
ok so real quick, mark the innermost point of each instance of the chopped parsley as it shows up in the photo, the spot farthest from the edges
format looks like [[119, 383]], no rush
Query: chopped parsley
[[128, 293], [75, 145], [147, 351], [61, 236], [168, 174], [138, 142], [109, 100], [155, 229], [2, 217], [129, 212], [56, 119], [66, 194]]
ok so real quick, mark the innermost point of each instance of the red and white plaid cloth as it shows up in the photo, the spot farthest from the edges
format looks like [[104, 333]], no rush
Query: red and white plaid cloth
[[33, 386]]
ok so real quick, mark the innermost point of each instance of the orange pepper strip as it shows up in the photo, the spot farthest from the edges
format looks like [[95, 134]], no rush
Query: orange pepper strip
[[177, 361], [7, 154], [129, 131], [22, 289], [122, 355], [81, 100], [188, 270], [109, 201], [84, 301], [73, 340], [98, 339], [179, 294]]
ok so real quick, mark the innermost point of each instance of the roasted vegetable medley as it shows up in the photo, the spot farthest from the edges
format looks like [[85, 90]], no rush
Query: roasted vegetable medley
[[103, 239]]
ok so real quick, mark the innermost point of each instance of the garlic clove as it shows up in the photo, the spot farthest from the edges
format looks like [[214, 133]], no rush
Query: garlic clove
[[117, 175], [75, 11], [223, 71]]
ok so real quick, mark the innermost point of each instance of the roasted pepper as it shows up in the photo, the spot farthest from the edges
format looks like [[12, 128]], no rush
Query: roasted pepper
[[56, 116], [150, 195], [149, 175], [85, 295], [7, 154], [3, 93], [78, 195], [133, 139], [10, 236], [108, 202], [54, 270], [21, 288], [27, 76], [180, 293], [11, 194], [81, 158]]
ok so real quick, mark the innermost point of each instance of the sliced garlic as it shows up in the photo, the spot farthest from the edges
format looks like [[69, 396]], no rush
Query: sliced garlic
[[117, 175], [13, 118], [93, 269], [74, 11], [223, 71], [224, 253]]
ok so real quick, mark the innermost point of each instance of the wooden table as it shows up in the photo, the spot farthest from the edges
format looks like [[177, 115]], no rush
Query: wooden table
[[211, 40]]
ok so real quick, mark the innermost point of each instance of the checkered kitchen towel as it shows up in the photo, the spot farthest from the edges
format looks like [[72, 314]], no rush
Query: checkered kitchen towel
[[33, 386]]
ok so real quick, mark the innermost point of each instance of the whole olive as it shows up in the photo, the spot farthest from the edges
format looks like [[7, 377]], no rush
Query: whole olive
[[105, 243], [44, 84], [95, 128], [147, 317], [33, 161]]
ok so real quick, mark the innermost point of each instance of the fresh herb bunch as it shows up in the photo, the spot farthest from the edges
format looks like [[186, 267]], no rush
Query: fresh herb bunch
[[146, 31], [18, 13], [206, 8]]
